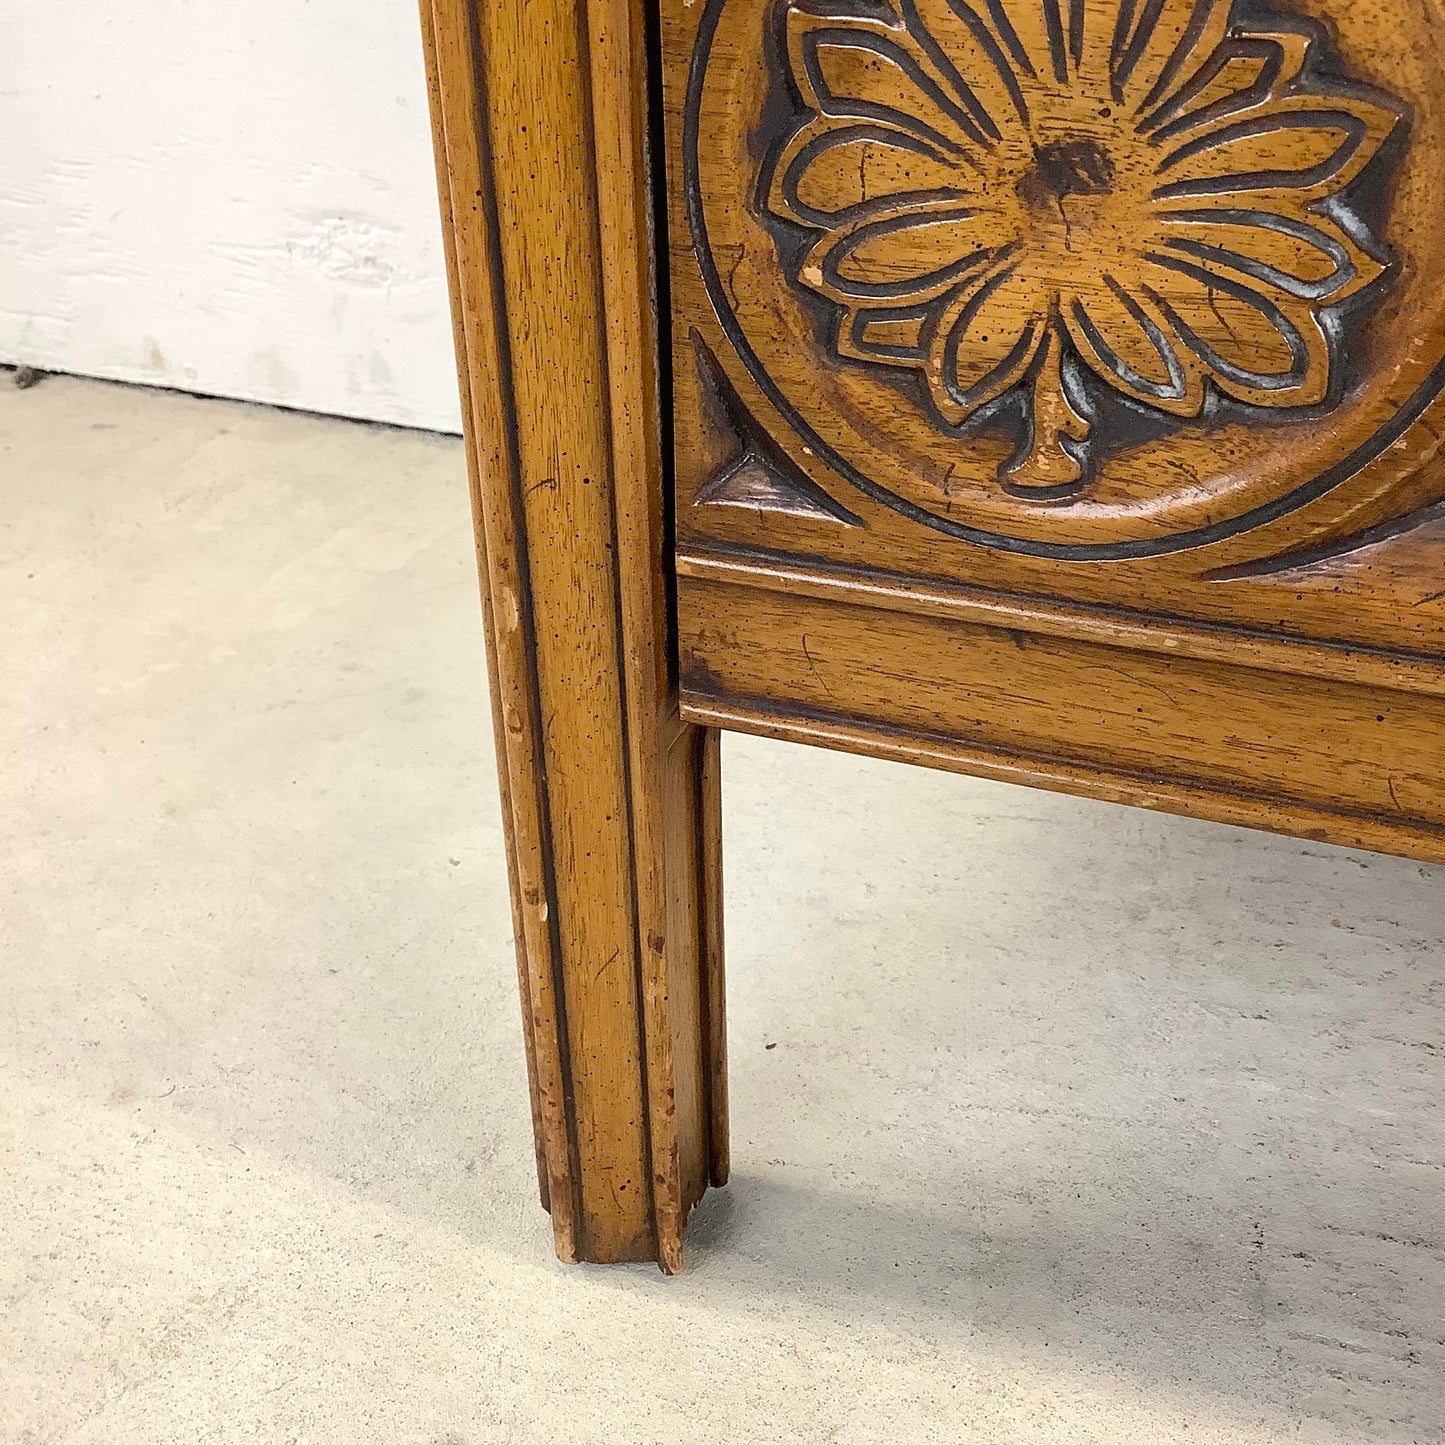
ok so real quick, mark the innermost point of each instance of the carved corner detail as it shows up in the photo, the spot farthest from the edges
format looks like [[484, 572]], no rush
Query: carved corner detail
[[756, 475]]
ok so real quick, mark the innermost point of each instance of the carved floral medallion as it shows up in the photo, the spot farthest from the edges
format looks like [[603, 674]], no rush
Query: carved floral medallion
[[1143, 186], [1074, 280]]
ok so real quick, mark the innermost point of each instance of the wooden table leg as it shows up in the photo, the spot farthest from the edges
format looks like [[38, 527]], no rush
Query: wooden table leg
[[613, 818]]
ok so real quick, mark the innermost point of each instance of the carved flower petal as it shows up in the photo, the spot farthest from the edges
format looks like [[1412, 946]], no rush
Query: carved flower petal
[[1260, 345], [1167, 42], [975, 46], [1315, 145], [1129, 342], [854, 68], [828, 171], [890, 336], [1035, 34], [1242, 74], [1047, 43], [1094, 37], [1314, 259], [905, 256], [985, 340]]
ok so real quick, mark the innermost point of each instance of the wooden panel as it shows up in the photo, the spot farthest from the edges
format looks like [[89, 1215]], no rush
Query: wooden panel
[[1137, 305], [1353, 762]]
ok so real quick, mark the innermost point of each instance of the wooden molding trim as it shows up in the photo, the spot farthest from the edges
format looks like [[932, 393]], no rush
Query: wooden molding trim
[[541, 128], [1142, 790], [1112, 626], [474, 479]]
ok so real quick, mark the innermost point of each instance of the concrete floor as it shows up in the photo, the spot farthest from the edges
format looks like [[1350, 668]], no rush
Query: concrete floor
[[1054, 1122]]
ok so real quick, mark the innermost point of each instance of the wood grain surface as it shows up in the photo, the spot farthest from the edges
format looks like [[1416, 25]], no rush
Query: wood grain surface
[[1338, 749], [540, 115], [1132, 304], [1058, 393]]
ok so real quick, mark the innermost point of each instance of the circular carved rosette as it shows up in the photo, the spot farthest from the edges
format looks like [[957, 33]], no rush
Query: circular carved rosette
[[1088, 278]]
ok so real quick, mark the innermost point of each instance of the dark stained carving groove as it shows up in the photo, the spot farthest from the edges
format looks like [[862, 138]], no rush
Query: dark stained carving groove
[[750, 482], [1330, 551], [758, 476]]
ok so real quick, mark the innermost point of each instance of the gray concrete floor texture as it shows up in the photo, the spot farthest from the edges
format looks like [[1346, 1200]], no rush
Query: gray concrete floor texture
[[1054, 1121]]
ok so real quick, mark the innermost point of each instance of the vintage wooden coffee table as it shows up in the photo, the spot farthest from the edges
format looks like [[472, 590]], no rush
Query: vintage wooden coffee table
[[1042, 389]]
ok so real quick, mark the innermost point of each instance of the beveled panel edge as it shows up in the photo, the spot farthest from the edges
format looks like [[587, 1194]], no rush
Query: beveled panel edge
[[1241, 647], [1260, 812]]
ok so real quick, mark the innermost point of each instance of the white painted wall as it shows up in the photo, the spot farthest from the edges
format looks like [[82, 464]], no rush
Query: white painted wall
[[233, 197]]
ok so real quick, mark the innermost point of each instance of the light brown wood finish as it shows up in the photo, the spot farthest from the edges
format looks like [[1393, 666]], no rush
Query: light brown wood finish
[[1322, 747], [612, 800], [1174, 250], [1060, 386], [474, 479], [1054, 391]]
